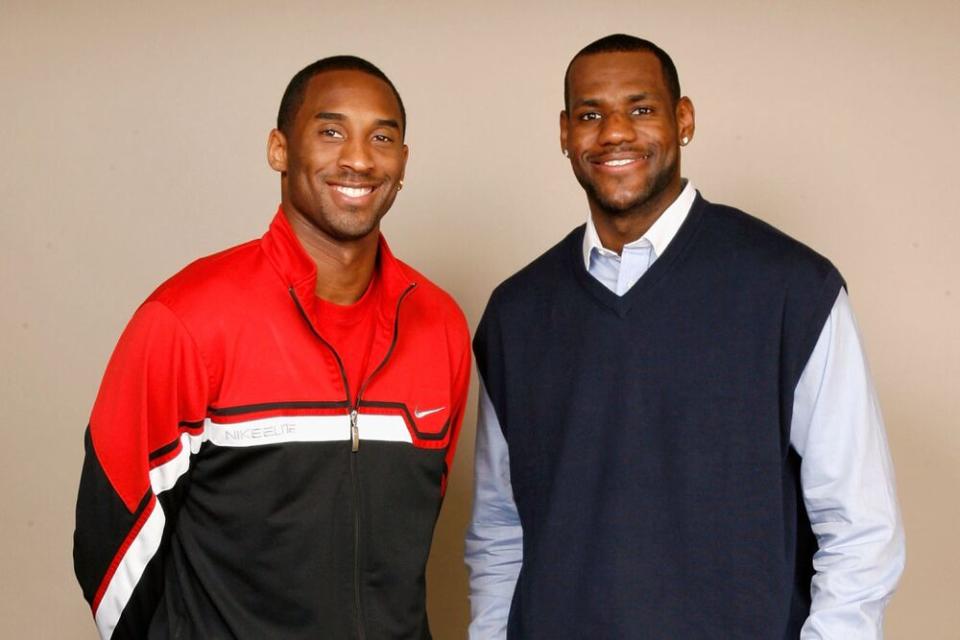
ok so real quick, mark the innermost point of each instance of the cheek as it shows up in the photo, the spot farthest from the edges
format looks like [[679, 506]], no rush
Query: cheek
[[581, 139], [313, 157], [392, 164], [298, 166], [664, 133]]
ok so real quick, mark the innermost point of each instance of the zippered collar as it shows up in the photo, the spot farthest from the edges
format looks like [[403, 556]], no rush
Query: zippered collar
[[299, 273]]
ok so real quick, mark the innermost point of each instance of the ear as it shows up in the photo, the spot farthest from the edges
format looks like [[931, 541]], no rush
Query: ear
[[564, 118], [686, 120], [277, 151]]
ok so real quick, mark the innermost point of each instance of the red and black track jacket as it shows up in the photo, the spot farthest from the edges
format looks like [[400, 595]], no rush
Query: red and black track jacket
[[236, 484]]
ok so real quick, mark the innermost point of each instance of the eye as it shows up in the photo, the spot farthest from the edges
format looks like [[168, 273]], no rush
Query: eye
[[331, 133], [590, 115], [382, 138], [642, 111]]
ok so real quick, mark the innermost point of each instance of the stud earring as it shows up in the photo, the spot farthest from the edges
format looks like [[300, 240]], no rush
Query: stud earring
[[566, 154], [399, 185], [684, 140]]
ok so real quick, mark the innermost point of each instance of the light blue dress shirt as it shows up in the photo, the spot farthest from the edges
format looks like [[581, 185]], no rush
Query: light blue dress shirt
[[846, 472]]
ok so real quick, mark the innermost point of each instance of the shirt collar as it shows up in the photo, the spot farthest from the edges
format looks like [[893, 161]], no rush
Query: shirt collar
[[658, 235]]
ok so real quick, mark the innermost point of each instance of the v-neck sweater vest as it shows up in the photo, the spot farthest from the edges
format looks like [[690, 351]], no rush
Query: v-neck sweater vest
[[649, 434]]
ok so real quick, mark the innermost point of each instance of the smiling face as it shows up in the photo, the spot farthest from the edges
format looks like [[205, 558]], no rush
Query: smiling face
[[622, 131], [343, 158]]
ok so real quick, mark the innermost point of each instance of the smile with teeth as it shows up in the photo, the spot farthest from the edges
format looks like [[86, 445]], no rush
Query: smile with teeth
[[353, 192], [620, 162]]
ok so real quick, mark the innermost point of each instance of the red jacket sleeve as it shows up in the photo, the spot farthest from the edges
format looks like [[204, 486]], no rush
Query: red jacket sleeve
[[460, 386], [147, 418]]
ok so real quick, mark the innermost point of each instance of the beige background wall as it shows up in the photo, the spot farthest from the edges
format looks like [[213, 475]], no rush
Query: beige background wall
[[134, 142]]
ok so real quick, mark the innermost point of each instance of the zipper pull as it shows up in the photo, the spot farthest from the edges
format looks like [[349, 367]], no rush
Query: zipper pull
[[354, 431]]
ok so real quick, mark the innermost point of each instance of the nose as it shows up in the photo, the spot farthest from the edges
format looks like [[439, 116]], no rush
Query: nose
[[616, 128], [355, 155]]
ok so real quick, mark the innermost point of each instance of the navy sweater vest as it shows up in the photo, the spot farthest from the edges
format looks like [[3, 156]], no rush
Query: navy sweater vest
[[649, 434]]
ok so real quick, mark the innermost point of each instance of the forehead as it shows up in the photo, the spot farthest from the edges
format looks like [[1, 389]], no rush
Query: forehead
[[607, 76], [355, 94]]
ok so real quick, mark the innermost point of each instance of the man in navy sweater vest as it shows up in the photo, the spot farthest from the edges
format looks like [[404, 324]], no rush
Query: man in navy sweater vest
[[678, 437]]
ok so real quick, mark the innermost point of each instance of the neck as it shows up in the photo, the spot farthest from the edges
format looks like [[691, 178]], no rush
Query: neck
[[617, 228], [344, 267]]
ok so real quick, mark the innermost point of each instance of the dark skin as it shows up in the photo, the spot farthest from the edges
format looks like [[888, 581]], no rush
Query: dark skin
[[341, 165], [623, 132]]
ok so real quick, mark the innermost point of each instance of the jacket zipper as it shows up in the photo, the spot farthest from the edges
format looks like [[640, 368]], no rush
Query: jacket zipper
[[355, 445], [355, 435]]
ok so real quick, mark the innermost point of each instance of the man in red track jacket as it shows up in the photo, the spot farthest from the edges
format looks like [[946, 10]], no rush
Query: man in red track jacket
[[269, 448]]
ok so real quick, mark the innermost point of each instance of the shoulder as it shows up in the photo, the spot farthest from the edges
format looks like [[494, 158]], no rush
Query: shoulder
[[432, 305], [540, 276], [744, 238], [761, 259], [210, 281], [219, 288]]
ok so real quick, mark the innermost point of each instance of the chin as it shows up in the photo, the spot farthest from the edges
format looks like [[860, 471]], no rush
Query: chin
[[353, 230], [349, 235], [621, 206], [624, 202]]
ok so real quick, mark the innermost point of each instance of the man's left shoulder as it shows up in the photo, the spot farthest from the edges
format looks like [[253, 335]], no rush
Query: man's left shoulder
[[433, 304], [749, 237]]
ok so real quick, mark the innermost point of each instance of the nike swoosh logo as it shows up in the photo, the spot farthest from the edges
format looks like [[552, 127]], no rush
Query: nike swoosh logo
[[427, 412]]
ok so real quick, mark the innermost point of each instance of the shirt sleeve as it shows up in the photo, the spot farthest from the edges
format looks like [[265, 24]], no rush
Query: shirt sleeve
[[461, 386], [494, 541], [848, 486], [146, 421]]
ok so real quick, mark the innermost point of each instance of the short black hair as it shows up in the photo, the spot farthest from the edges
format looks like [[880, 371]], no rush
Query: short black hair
[[621, 42], [297, 88]]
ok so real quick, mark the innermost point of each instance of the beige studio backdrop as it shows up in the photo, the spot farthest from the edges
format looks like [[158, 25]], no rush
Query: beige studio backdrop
[[135, 137]]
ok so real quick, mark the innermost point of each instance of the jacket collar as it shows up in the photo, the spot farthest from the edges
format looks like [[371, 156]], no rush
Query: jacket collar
[[299, 273]]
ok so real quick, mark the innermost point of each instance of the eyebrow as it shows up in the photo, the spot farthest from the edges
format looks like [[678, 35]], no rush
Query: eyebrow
[[331, 115], [592, 102], [587, 102], [387, 122]]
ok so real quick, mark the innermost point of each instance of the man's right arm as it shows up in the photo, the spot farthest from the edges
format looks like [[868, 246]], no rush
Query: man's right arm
[[494, 542], [147, 419]]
